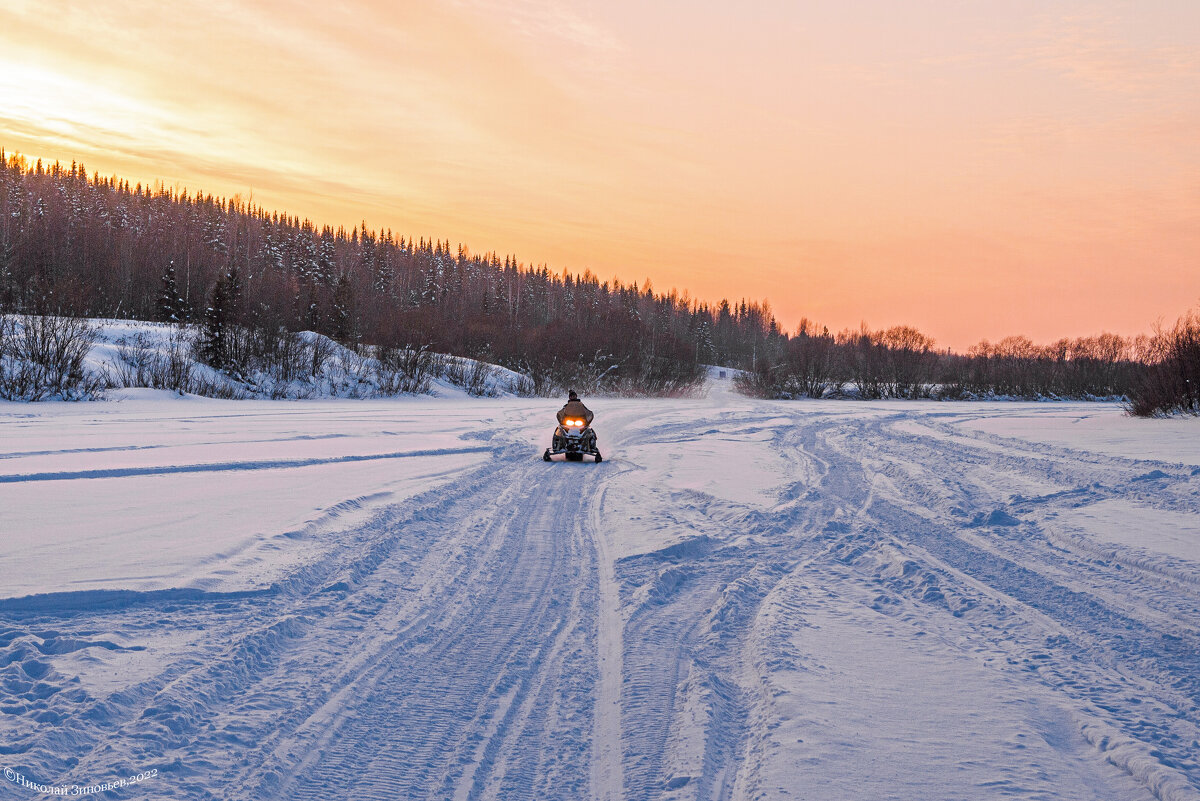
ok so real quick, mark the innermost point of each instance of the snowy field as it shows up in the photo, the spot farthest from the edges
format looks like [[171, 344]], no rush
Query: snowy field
[[745, 600]]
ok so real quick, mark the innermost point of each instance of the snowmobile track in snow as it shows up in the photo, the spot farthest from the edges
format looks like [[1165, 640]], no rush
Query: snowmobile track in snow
[[670, 624]]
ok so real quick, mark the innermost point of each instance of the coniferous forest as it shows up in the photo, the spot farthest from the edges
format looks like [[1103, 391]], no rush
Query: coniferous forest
[[91, 246], [75, 245]]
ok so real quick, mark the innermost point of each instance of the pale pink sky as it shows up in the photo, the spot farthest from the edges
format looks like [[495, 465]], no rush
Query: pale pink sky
[[972, 168]]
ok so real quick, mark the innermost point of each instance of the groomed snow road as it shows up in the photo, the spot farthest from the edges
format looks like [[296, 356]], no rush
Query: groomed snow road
[[746, 600]]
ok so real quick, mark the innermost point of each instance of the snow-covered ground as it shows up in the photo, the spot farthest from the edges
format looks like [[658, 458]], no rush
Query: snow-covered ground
[[745, 600]]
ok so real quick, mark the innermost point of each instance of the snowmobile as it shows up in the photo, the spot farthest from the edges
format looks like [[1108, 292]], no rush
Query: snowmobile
[[574, 438]]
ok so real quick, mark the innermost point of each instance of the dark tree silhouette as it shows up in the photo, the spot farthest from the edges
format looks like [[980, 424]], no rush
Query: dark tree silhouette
[[96, 246], [170, 305], [92, 246]]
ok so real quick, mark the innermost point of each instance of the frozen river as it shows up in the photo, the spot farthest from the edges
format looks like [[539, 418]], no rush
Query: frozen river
[[745, 600]]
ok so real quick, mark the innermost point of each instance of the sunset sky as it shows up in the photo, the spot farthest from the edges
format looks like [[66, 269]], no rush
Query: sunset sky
[[975, 169]]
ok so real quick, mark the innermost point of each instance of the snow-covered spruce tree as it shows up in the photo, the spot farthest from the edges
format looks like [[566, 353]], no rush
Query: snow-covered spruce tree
[[219, 319], [9, 227], [170, 304], [344, 329], [6, 292]]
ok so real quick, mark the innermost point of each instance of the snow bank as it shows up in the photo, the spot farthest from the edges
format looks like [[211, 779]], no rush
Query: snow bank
[[132, 355]]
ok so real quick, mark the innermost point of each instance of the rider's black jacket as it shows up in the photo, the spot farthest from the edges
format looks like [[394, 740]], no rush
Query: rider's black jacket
[[575, 409]]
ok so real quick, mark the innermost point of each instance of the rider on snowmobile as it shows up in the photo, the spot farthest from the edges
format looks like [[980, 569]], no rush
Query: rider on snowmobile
[[574, 408], [574, 435]]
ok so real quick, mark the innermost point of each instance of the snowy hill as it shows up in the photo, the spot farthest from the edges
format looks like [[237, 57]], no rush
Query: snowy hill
[[125, 356]]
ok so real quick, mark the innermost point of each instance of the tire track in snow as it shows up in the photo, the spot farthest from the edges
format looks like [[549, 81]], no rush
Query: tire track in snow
[[224, 467], [461, 705], [206, 707], [447, 650], [857, 506], [480, 642], [608, 777], [1112, 658]]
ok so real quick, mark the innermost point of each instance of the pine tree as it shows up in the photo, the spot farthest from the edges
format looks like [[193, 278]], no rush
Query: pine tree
[[218, 319], [327, 254], [170, 304], [212, 341], [344, 329]]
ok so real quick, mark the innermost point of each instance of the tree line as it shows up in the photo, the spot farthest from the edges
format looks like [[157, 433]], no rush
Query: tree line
[[86, 245], [1154, 374], [78, 245], [901, 362]]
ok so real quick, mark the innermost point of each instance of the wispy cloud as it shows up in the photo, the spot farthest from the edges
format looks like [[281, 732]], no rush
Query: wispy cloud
[[1097, 49], [707, 149], [540, 20]]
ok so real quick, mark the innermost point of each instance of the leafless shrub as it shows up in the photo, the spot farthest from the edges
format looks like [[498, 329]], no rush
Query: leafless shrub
[[140, 363], [320, 350], [657, 378], [19, 379], [271, 354], [60, 344], [910, 362], [603, 374], [1103, 366], [901, 362], [210, 388], [866, 362], [762, 382], [455, 372], [813, 363], [407, 370], [43, 356], [480, 382], [283, 355], [543, 376], [357, 366], [474, 376], [356, 360], [521, 385], [1171, 383]]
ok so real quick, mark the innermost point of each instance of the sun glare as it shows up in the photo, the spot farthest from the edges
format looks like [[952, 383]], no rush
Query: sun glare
[[66, 106]]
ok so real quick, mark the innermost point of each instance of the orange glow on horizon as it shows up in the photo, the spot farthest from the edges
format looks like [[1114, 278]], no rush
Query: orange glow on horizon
[[971, 174]]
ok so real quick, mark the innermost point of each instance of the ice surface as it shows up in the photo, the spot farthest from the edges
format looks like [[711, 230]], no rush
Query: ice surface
[[745, 600]]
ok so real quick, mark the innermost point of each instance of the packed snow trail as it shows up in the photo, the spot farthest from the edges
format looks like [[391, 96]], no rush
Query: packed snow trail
[[745, 600]]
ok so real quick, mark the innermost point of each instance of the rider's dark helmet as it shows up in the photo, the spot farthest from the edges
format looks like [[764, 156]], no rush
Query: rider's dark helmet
[[572, 396]]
